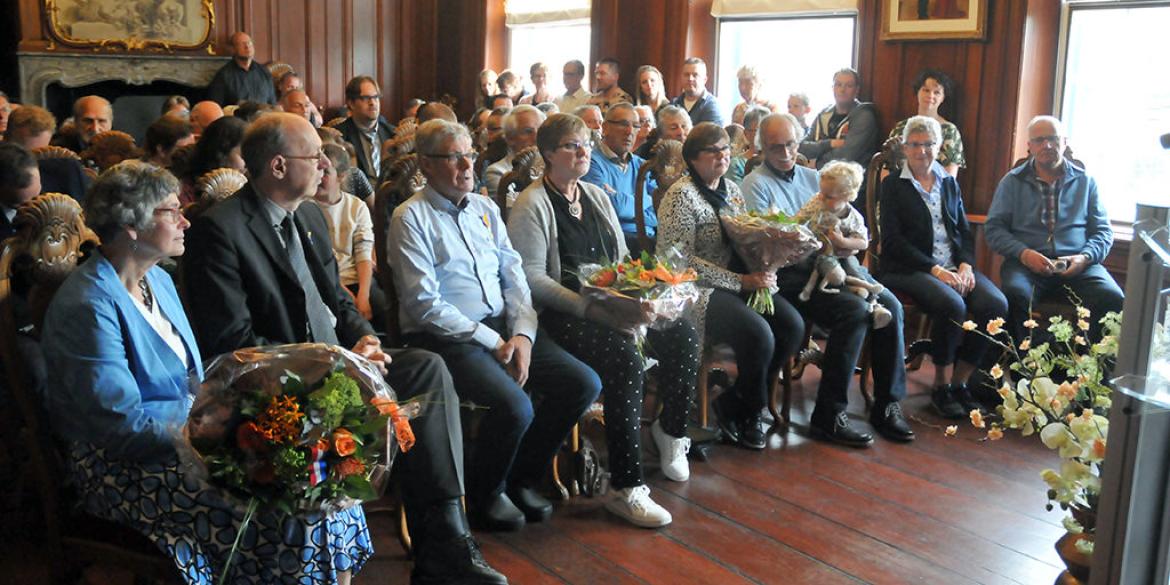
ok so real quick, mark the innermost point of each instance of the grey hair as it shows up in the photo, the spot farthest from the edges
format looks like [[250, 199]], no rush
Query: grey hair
[[549, 108], [801, 97], [621, 106], [582, 109], [645, 108], [754, 114], [748, 72], [511, 120], [431, 136], [671, 111], [126, 195], [768, 120], [922, 124], [263, 140], [1056, 123]]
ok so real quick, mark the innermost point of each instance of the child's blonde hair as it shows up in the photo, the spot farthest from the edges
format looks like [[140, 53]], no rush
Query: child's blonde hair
[[845, 175]]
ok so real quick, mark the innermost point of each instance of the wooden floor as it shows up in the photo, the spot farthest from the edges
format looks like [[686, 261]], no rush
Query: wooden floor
[[938, 511]]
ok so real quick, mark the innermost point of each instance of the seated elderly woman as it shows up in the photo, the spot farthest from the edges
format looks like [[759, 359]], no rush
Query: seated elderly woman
[[928, 254], [558, 224], [930, 90], [689, 220], [120, 353]]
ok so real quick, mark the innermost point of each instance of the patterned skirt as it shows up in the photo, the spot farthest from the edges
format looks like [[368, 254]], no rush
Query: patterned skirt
[[194, 524]]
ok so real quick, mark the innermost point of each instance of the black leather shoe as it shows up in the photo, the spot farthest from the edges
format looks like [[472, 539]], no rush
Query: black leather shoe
[[497, 514], [841, 432], [890, 423], [965, 399], [945, 404], [454, 560], [751, 433], [535, 507], [726, 408]]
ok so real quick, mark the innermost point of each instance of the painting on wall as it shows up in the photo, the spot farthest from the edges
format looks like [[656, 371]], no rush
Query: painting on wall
[[131, 24], [926, 20]]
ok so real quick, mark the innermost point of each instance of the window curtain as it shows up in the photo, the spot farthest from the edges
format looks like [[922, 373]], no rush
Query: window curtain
[[525, 12], [739, 8]]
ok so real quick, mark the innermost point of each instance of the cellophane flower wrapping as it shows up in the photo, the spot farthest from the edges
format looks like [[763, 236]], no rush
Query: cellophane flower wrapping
[[664, 282], [299, 428], [767, 242]]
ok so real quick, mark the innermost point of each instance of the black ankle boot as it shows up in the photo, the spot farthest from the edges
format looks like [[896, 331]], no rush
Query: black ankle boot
[[444, 550]]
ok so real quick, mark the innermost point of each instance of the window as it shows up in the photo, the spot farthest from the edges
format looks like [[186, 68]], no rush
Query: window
[[550, 32], [797, 69], [553, 44], [1115, 99]]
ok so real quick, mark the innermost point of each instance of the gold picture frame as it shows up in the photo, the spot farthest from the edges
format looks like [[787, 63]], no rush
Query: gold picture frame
[[131, 25], [929, 20]]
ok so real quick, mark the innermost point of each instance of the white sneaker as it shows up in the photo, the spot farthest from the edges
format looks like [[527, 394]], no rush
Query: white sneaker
[[672, 453], [634, 504]]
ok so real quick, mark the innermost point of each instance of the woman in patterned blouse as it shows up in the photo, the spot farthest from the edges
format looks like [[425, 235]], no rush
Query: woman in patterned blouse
[[931, 88], [689, 219]]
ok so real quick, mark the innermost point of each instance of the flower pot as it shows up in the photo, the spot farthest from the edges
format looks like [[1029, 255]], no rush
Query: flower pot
[[1077, 563]]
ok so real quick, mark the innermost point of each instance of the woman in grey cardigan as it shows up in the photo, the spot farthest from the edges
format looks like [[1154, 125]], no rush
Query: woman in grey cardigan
[[557, 224], [689, 221]]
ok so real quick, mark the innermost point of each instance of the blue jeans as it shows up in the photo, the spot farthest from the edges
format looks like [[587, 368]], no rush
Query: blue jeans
[[1098, 292], [515, 442], [947, 310]]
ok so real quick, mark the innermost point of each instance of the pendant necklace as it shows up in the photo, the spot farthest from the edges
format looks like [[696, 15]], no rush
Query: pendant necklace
[[147, 298], [575, 204]]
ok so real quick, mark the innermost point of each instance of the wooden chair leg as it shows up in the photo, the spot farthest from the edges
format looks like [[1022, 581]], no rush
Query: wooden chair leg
[[574, 446], [782, 386], [923, 330], [701, 389], [404, 530]]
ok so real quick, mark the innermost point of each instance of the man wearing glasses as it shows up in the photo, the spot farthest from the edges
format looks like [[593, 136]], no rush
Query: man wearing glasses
[[365, 128], [520, 125], [1049, 224], [260, 270], [613, 168], [462, 293]]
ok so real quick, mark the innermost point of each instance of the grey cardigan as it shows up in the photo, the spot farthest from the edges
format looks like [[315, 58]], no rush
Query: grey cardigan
[[532, 227]]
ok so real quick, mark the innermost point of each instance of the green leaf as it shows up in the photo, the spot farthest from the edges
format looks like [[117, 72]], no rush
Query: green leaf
[[358, 487]]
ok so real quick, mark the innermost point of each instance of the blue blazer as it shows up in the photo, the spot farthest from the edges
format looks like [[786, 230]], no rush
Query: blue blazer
[[112, 380]]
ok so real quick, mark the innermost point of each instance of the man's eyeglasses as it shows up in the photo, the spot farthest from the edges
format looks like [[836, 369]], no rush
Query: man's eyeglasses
[[368, 98], [916, 145], [1042, 140], [454, 157], [319, 157], [626, 124], [172, 214], [784, 147], [574, 146]]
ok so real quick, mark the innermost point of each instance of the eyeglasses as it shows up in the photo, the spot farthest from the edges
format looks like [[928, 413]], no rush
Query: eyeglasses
[[575, 146], [319, 157], [626, 124], [1041, 140], [368, 98], [173, 214], [916, 145], [454, 157], [725, 149]]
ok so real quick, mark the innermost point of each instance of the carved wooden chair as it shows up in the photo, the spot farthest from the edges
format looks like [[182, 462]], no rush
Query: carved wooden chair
[[50, 152], [527, 166], [51, 238], [214, 186]]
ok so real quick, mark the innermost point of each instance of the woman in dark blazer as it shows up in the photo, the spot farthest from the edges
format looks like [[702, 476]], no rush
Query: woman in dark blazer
[[928, 254]]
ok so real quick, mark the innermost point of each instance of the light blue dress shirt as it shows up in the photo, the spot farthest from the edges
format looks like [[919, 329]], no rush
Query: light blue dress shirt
[[112, 380], [764, 191], [454, 266], [941, 248]]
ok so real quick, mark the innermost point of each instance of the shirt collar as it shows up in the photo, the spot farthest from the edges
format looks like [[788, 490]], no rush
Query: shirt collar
[[787, 177], [275, 213], [611, 155], [441, 203], [936, 169]]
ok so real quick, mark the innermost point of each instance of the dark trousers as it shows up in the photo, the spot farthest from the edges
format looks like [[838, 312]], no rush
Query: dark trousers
[[1096, 288], [614, 355], [378, 304], [948, 310], [847, 318], [515, 442], [433, 470], [762, 343]]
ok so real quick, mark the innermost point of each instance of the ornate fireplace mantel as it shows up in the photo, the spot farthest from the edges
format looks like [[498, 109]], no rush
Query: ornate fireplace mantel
[[39, 70]]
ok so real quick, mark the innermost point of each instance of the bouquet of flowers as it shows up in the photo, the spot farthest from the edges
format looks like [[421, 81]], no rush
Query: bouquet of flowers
[[1056, 387], [768, 242], [664, 282], [297, 428]]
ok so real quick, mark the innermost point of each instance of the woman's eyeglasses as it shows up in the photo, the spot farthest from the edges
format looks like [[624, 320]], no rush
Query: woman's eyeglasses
[[172, 214]]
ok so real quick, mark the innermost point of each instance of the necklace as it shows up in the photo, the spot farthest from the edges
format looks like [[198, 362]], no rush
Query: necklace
[[147, 297], [575, 204]]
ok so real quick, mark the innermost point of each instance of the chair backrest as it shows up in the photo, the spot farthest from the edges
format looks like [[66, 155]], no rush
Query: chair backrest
[[334, 122], [402, 179], [50, 240], [887, 160], [47, 152], [665, 166], [527, 166]]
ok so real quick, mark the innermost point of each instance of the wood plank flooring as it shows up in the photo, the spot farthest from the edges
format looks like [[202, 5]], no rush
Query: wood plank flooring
[[940, 510]]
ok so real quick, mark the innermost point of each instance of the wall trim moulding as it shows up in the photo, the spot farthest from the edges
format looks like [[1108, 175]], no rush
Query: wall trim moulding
[[39, 70]]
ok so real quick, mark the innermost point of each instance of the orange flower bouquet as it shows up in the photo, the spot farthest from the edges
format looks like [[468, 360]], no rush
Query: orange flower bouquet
[[296, 427], [664, 283]]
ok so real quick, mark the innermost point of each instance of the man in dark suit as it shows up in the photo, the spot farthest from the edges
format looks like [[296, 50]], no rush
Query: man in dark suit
[[260, 270], [695, 99], [92, 115], [365, 128], [19, 181]]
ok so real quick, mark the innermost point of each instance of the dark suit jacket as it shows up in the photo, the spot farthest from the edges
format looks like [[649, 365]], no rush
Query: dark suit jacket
[[908, 232], [64, 175], [241, 290], [349, 131], [69, 138], [704, 110]]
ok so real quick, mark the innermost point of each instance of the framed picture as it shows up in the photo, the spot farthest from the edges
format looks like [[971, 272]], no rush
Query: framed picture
[[132, 25], [927, 20]]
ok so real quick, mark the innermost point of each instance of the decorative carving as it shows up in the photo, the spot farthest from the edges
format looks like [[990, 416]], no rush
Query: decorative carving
[[38, 70], [51, 228], [527, 166], [139, 25], [666, 163], [219, 184], [48, 152]]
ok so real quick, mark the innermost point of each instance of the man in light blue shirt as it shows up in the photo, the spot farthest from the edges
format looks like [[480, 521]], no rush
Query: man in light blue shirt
[[778, 183], [462, 294], [614, 169]]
